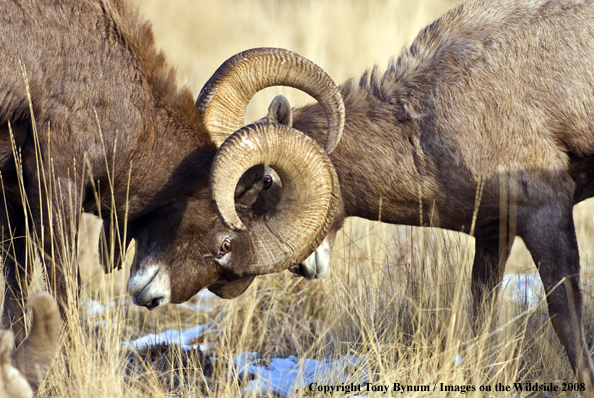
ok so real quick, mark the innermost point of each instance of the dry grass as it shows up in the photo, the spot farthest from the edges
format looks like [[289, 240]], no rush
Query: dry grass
[[396, 296]]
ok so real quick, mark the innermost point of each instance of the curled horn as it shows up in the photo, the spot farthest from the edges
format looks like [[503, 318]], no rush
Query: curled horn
[[310, 199], [224, 98]]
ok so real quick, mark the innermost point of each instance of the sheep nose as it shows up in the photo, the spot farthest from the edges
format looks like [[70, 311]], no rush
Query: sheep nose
[[152, 304], [148, 299], [149, 287]]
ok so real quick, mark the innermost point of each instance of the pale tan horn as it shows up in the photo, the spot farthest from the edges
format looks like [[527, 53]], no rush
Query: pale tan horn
[[224, 98], [310, 199]]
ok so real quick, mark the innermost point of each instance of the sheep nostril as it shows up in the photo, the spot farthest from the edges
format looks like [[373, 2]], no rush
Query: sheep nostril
[[154, 303]]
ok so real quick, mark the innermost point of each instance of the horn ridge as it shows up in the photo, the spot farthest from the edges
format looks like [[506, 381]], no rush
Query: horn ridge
[[224, 98], [311, 191]]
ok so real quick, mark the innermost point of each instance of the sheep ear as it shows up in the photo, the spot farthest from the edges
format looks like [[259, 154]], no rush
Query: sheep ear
[[280, 111]]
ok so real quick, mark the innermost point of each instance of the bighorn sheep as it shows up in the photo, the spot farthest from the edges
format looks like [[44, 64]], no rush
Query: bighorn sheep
[[494, 98], [89, 108], [22, 371]]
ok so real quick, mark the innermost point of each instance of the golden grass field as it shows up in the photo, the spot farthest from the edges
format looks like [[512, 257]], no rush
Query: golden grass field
[[395, 296]]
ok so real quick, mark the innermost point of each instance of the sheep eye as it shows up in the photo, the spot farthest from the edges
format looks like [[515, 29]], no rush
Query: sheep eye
[[225, 247], [267, 182]]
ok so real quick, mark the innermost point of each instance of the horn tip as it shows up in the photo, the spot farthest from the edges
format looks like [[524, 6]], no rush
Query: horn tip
[[237, 225], [330, 146]]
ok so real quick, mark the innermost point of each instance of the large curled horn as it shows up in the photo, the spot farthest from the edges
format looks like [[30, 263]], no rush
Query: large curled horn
[[310, 199], [224, 98]]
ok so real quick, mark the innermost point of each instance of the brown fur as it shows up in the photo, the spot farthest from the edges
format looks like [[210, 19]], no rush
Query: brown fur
[[495, 93], [110, 120]]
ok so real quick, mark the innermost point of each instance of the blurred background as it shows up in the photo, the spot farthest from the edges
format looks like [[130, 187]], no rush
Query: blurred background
[[344, 37]]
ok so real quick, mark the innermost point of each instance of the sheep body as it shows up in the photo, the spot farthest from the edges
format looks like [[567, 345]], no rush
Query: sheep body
[[493, 102]]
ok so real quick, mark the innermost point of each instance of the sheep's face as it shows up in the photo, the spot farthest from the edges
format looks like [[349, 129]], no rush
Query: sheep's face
[[180, 247]]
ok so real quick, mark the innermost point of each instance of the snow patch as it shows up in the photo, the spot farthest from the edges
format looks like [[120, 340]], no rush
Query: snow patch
[[285, 376], [523, 289], [204, 301], [172, 336], [93, 308]]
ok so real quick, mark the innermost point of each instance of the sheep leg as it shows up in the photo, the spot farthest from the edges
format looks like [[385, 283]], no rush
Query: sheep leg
[[549, 234], [490, 258]]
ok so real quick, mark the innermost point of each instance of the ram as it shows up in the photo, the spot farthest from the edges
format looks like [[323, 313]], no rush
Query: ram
[[91, 119], [492, 104]]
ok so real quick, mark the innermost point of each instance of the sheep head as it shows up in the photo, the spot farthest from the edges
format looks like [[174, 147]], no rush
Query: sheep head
[[257, 226]]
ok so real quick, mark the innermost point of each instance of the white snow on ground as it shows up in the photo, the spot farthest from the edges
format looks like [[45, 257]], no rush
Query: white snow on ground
[[523, 289], [205, 294], [285, 376], [203, 301], [93, 307], [172, 336], [458, 360]]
